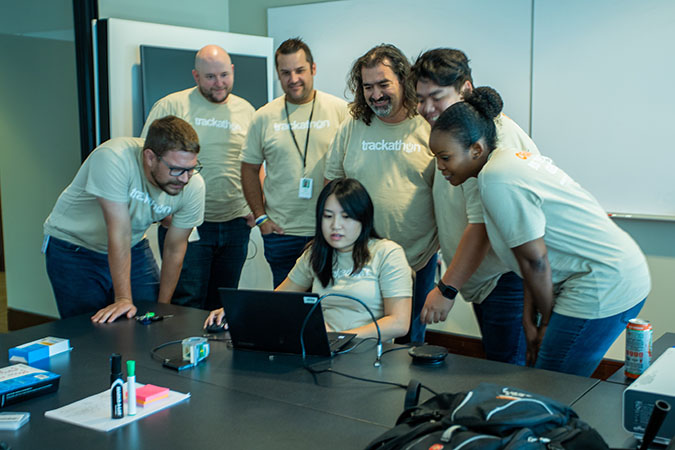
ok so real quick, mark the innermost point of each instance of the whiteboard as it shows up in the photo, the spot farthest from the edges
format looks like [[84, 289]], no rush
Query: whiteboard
[[595, 77], [604, 98], [338, 33]]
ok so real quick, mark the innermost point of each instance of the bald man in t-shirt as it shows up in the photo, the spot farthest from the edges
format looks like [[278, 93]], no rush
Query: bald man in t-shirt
[[216, 256]]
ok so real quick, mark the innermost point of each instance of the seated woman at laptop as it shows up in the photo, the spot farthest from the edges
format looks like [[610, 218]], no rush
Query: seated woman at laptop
[[584, 277], [348, 257]]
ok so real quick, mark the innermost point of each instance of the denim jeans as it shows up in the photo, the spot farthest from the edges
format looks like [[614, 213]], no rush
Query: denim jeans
[[81, 279], [500, 318], [281, 252], [424, 283], [214, 261], [577, 346]]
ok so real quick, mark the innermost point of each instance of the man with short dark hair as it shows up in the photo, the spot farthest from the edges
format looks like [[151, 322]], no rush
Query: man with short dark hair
[[442, 76], [96, 252], [217, 252], [291, 136], [384, 146]]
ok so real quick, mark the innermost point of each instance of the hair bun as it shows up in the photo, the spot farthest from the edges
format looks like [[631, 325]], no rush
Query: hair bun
[[486, 101]]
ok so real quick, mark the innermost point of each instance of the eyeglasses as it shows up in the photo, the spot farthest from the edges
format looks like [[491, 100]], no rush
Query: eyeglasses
[[179, 171]]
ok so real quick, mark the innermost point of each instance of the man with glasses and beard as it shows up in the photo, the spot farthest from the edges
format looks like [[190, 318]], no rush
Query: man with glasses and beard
[[96, 252], [217, 251], [384, 146], [291, 135]]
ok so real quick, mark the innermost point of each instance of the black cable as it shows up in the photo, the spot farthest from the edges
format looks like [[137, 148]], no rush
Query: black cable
[[358, 344], [153, 352], [318, 302], [367, 380]]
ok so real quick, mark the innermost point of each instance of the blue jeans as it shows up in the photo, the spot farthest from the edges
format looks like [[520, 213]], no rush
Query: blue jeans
[[81, 279], [214, 261], [500, 318], [281, 252], [577, 346], [424, 283]]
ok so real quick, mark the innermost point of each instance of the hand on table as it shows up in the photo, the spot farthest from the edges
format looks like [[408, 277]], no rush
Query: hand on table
[[111, 312]]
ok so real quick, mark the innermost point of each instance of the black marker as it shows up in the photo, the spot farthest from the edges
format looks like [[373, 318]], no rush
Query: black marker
[[116, 386]]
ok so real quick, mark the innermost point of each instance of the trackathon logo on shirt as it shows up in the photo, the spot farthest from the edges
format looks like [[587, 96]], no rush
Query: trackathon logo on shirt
[[144, 197], [295, 125], [390, 146], [215, 123]]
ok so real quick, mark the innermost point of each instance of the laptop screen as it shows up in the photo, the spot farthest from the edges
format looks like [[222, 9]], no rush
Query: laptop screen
[[271, 321]]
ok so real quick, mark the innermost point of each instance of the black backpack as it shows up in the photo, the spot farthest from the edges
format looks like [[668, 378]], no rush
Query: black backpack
[[489, 417]]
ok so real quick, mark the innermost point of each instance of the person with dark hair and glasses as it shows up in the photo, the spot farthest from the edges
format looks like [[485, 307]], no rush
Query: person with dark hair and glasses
[[584, 278], [217, 249], [291, 135], [384, 146], [98, 259], [346, 256], [442, 77]]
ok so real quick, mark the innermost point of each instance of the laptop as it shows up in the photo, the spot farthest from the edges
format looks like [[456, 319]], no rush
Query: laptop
[[271, 321]]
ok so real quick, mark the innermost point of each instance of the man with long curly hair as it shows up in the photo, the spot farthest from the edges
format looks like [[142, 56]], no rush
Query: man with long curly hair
[[384, 146]]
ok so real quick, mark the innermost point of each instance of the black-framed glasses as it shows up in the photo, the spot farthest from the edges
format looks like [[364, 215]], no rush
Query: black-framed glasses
[[179, 171]]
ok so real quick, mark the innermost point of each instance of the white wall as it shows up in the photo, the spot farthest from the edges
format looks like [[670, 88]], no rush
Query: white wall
[[206, 14], [40, 154]]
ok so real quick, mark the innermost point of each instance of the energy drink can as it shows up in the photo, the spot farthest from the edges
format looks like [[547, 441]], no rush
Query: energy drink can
[[638, 347]]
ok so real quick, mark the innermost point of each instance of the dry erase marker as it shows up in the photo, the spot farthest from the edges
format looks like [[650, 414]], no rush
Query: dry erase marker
[[131, 387], [116, 386]]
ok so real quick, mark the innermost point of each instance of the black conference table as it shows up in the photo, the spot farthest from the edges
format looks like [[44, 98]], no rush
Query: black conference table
[[242, 399]]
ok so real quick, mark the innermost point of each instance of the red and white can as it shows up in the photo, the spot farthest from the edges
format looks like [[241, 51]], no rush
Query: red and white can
[[638, 347]]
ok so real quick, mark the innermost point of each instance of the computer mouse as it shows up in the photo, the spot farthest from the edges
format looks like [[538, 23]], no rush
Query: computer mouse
[[214, 328]]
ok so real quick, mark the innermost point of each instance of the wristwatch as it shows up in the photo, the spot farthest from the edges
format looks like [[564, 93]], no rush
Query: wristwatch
[[448, 292]]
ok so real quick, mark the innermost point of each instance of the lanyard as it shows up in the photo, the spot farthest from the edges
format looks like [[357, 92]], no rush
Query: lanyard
[[309, 128]]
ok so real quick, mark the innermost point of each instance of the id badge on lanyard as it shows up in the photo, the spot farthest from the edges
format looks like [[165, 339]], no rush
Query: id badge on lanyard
[[305, 188]]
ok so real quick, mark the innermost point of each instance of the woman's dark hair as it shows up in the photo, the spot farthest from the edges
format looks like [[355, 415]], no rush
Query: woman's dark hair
[[356, 202], [473, 118]]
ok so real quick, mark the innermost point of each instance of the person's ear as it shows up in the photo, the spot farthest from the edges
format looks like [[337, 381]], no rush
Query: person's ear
[[195, 75], [477, 149]]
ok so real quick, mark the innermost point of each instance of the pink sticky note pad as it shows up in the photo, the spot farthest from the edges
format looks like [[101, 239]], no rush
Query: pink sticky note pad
[[150, 393]]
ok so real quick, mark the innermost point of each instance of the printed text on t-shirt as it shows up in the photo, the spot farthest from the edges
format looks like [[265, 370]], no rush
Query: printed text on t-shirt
[[391, 146], [143, 197], [213, 122], [295, 125]]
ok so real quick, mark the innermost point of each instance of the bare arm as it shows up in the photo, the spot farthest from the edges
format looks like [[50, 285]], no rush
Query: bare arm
[[250, 182], [175, 245], [533, 261], [470, 253], [393, 324], [118, 224]]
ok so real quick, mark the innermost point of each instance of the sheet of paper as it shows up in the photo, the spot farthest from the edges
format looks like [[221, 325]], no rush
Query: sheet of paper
[[94, 412]]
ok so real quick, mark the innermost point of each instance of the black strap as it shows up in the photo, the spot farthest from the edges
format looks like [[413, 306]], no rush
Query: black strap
[[309, 128], [412, 394]]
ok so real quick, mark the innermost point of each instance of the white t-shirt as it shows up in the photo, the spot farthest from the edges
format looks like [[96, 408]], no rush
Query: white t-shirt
[[270, 140], [386, 275], [597, 269], [457, 206], [114, 171], [395, 165], [221, 128]]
